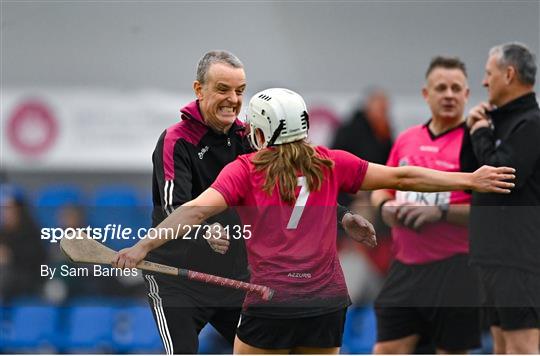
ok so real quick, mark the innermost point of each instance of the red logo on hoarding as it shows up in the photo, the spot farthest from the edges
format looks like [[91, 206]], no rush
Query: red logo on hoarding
[[322, 114], [32, 128], [323, 122]]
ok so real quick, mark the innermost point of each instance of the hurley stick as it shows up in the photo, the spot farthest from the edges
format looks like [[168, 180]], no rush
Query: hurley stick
[[86, 250]]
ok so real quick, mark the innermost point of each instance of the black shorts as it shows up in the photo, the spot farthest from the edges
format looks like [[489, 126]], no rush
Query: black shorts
[[438, 301], [322, 331], [511, 297]]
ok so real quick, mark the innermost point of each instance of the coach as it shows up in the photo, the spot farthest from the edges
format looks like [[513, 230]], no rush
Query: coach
[[505, 229]]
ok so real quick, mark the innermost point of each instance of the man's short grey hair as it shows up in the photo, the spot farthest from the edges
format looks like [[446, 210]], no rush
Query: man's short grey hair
[[212, 57], [520, 57]]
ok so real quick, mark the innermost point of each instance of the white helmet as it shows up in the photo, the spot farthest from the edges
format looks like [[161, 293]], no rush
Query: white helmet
[[281, 115]]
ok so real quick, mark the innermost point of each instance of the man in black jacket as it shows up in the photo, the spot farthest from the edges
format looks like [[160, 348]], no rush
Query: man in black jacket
[[188, 157], [505, 229]]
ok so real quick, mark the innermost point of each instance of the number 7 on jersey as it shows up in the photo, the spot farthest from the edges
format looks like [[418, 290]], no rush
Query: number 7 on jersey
[[300, 204]]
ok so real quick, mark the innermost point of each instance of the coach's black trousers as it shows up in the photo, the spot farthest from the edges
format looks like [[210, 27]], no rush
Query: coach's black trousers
[[180, 317]]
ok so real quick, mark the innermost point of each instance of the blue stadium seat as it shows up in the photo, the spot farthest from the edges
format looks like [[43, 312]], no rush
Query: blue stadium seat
[[119, 205], [360, 331], [487, 345], [51, 198], [146, 209], [4, 330], [211, 342], [135, 331], [31, 328], [116, 196], [89, 328]]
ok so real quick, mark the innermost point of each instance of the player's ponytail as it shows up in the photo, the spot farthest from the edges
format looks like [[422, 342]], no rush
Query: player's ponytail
[[282, 165]]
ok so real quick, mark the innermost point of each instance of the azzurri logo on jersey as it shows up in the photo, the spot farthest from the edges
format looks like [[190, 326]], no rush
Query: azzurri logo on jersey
[[299, 275]]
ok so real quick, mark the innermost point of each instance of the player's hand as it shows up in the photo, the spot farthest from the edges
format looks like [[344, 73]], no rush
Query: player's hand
[[487, 179], [389, 213], [416, 216], [359, 229], [218, 239], [129, 257]]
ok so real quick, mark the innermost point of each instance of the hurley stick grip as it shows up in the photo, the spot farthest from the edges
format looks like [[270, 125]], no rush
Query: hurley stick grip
[[266, 293]]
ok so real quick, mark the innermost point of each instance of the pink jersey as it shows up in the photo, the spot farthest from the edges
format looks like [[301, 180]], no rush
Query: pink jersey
[[292, 248], [418, 147]]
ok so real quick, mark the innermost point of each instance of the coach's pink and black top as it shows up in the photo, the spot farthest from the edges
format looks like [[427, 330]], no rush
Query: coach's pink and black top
[[292, 249], [187, 159]]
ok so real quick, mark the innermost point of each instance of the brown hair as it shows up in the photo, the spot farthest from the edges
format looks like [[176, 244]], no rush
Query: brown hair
[[282, 163], [447, 63]]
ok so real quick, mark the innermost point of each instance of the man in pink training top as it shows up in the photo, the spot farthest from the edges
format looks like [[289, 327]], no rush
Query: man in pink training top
[[430, 293]]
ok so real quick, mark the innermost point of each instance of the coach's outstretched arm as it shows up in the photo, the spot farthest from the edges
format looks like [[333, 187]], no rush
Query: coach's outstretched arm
[[485, 179], [194, 212]]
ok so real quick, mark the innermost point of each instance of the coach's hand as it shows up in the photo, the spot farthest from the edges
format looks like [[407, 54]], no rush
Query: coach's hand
[[478, 114], [359, 229], [129, 257], [478, 117], [218, 239]]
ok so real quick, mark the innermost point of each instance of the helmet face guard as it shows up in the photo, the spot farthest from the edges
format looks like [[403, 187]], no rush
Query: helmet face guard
[[280, 115]]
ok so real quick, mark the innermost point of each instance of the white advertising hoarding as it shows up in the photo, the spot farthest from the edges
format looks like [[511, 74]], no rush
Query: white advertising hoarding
[[113, 130]]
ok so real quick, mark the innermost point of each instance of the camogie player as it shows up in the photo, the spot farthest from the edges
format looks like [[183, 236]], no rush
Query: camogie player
[[286, 193]]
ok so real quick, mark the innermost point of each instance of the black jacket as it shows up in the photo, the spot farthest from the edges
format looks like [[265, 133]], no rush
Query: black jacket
[[187, 159], [358, 138], [505, 229]]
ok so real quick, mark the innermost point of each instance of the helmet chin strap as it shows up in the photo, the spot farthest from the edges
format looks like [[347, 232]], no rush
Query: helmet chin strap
[[276, 133]]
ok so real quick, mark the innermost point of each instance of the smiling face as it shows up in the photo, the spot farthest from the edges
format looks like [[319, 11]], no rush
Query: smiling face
[[446, 92], [220, 96]]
